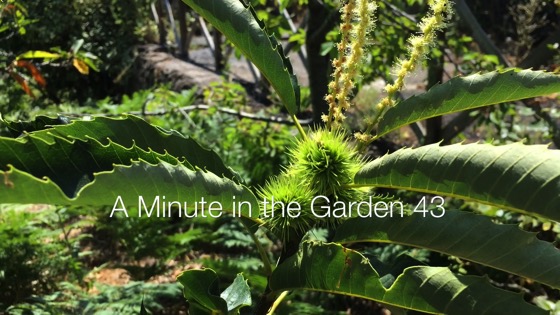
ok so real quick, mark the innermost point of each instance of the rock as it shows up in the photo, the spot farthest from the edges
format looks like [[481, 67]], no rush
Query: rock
[[156, 66]]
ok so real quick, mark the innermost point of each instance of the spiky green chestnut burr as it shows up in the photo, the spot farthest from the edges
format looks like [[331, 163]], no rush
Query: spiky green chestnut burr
[[326, 162], [323, 164], [283, 194]]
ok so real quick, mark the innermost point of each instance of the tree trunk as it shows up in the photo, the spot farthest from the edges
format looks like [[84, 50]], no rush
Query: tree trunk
[[218, 52], [183, 32], [319, 24], [435, 76]]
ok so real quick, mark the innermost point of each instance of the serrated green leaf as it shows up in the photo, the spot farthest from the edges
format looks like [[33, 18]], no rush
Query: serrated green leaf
[[334, 269], [515, 176], [174, 182], [202, 286], [473, 91], [237, 295], [130, 131], [240, 25], [17, 128], [70, 163], [56, 166], [465, 235]]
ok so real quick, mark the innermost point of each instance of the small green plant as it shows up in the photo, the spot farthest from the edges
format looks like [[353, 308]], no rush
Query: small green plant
[[33, 256], [124, 300], [125, 162]]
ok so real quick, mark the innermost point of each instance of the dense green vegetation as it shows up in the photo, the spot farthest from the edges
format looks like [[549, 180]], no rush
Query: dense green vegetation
[[455, 228]]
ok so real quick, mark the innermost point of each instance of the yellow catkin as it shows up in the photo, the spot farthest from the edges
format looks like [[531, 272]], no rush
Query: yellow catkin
[[345, 27], [418, 48], [357, 21]]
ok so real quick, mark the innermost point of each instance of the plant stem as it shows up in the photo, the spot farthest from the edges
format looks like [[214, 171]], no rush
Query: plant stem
[[299, 127], [269, 297], [260, 249], [362, 145], [350, 186], [277, 302], [264, 256]]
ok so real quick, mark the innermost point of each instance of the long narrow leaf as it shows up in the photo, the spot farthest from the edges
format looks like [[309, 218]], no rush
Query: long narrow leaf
[[122, 187], [65, 165], [334, 269], [516, 176], [131, 130], [239, 23], [38, 54], [473, 91], [465, 235]]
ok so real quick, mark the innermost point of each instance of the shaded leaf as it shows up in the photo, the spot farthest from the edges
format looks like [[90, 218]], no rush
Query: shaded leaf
[[134, 131], [202, 286], [465, 235], [334, 269], [17, 128], [165, 182], [143, 310]]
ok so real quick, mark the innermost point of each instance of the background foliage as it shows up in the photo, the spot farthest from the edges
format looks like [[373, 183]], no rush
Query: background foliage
[[52, 259]]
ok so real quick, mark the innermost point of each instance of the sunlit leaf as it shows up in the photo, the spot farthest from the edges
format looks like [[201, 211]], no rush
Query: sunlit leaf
[[81, 66], [473, 91], [38, 54], [239, 23], [518, 177]]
